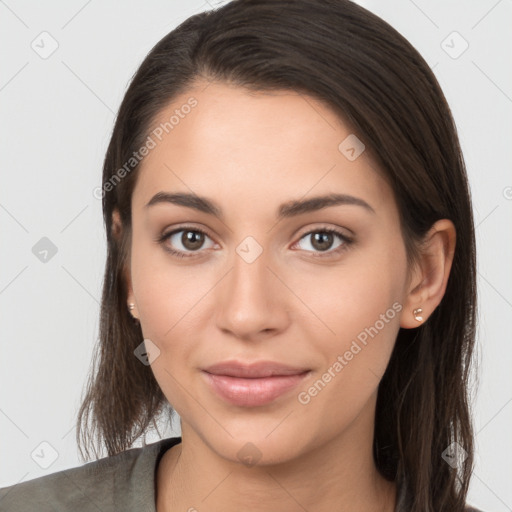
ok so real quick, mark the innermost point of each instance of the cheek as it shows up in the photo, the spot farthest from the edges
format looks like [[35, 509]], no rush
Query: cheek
[[365, 320], [168, 302], [358, 306], [348, 298], [174, 302], [166, 291], [169, 305]]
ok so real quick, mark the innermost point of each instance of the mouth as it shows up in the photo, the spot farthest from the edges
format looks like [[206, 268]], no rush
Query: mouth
[[255, 384]]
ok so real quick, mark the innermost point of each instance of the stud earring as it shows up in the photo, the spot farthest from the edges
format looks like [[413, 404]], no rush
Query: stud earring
[[417, 314], [131, 306]]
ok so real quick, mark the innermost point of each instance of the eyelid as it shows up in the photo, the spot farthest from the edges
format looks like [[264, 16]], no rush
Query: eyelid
[[327, 227]]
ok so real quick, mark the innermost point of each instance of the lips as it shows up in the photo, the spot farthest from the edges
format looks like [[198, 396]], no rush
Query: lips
[[253, 384]]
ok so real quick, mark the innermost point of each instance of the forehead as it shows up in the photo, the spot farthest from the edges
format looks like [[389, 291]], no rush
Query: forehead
[[259, 145]]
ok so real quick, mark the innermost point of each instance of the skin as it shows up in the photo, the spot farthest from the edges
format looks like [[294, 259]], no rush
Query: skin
[[250, 152]]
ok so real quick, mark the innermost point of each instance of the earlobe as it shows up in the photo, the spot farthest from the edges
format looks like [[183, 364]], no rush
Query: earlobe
[[431, 275], [418, 314], [130, 300], [131, 307]]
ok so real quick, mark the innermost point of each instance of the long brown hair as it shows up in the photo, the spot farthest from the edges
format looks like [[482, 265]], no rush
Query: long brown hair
[[371, 76]]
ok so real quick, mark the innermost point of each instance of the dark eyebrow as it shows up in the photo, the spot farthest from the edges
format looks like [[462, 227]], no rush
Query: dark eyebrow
[[288, 209], [292, 208]]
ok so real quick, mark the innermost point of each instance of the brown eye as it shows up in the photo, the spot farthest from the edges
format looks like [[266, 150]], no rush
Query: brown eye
[[323, 240], [190, 241]]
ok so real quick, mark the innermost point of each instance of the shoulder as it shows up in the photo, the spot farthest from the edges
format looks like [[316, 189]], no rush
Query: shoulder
[[122, 482]]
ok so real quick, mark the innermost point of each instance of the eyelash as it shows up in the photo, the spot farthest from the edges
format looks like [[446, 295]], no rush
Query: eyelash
[[327, 254]]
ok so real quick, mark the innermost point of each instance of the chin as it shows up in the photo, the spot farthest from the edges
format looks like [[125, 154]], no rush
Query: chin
[[254, 444]]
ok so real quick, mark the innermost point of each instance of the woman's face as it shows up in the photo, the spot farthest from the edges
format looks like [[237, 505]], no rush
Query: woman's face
[[266, 282]]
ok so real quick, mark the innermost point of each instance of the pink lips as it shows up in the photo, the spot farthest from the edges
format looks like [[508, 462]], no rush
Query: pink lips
[[254, 384]]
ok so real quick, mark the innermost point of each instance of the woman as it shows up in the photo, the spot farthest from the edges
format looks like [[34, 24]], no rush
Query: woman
[[291, 268]]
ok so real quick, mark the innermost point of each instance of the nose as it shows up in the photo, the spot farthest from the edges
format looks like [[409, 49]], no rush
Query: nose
[[252, 301]]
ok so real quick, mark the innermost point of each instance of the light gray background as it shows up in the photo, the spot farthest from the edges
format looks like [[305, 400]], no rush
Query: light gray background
[[56, 118]]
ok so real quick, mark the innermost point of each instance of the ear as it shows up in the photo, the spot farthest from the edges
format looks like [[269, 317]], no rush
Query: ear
[[430, 276], [117, 229]]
